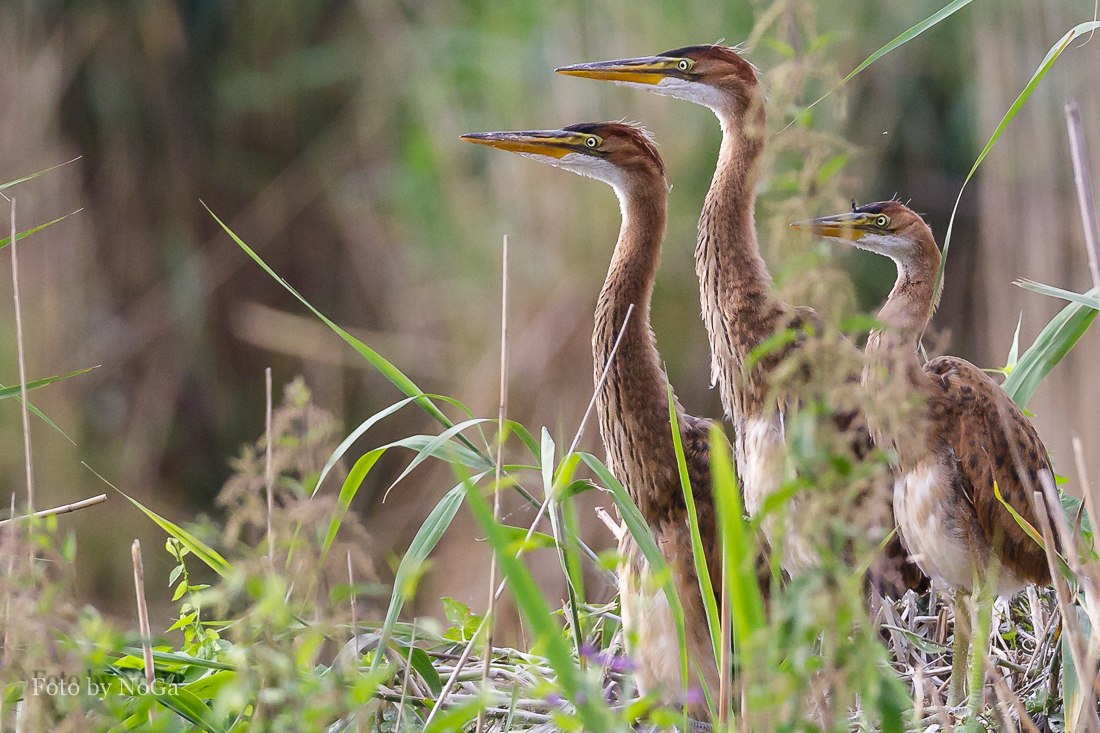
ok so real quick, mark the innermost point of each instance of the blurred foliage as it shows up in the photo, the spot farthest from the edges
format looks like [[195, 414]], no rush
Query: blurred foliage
[[326, 132]]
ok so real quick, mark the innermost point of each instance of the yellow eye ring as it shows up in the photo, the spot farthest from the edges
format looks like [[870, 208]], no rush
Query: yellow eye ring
[[882, 221], [684, 64], [592, 141]]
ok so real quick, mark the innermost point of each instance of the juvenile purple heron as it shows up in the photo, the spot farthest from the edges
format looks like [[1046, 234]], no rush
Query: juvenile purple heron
[[739, 306], [968, 436], [633, 405]]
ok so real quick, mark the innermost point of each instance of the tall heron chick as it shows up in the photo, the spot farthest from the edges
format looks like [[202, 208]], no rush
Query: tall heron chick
[[740, 308], [632, 403]]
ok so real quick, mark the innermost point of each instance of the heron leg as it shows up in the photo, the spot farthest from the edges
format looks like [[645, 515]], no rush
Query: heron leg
[[959, 652], [983, 621]]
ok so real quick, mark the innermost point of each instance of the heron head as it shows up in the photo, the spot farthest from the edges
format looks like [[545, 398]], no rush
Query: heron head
[[713, 76], [888, 228], [613, 152]]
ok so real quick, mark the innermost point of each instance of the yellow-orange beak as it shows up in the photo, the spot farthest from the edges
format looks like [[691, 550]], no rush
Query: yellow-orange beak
[[643, 70], [850, 226], [551, 143]]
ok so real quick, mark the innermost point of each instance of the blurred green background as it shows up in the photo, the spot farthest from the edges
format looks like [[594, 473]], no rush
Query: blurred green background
[[326, 135]]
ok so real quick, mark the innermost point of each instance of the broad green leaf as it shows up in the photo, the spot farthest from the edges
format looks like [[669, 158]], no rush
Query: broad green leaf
[[205, 688], [517, 538], [354, 435], [423, 665], [425, 445], [427, 537], [1050, 346], [1024, 524], [1052, 56], [355, 479], [191, 708]]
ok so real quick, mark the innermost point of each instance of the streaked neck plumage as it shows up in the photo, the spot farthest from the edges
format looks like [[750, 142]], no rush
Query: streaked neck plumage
[[633, 403], [892, 351], [739, 307]]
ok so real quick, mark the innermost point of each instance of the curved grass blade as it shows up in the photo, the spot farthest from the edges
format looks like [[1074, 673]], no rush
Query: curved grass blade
[[916, 30], [706, 587], [23, 235], [435, 444], [45, 419], [9, 184], [388, 370], [14, 390], [427, 537], [746, 601], [354, 435], [1050, 346], [1048, 61], [209, 556], [1089, 301], [426, 445]]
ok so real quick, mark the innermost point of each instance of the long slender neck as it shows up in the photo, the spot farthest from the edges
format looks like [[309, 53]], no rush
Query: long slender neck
[[907, 310], [739, 307], [893, 366], [633, 402]]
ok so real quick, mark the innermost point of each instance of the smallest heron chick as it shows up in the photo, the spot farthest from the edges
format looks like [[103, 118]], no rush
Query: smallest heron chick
[[967, 441]]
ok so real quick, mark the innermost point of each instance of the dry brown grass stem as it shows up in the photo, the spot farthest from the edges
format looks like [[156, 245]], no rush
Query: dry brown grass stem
[[22, 361], [468, 650], [501, 436], [405, 683], [7, 604], [143, 617], [1070, 625], [1083, 179], [269, 479], [75, 506]]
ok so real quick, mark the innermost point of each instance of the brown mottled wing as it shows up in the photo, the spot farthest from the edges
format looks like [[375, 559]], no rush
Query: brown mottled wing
[[892, 572], [992, 441], [696, 441]]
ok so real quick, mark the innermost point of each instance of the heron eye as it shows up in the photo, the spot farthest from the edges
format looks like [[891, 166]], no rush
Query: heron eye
[[684, 65], [882, 221], [591, 142]]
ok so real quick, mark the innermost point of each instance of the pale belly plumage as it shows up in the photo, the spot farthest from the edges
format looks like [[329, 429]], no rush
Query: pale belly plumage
[[762, 467], [650, 633], [936, 524]]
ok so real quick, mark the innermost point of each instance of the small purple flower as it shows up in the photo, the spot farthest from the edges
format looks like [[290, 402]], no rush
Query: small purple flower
[[554, 698], [694, 696], [620, 663], [588, 651]]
